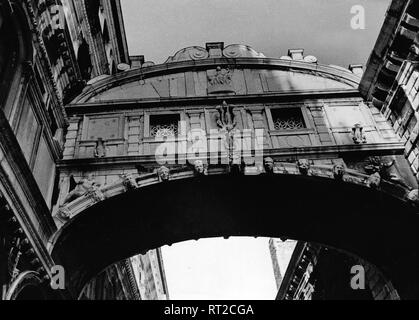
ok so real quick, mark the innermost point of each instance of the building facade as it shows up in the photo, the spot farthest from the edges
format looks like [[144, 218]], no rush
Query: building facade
[[281, 252], [391, 78], [390, 83], [150, 275], [48, 52], [316, 272], [103, 159], [158, 139], [117, 282]]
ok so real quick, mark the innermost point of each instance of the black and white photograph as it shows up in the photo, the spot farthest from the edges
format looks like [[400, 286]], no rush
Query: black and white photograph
[[209, 155]]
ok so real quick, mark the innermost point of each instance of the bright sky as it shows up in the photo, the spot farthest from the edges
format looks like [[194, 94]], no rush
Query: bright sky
[[218, 269], [242, 268]]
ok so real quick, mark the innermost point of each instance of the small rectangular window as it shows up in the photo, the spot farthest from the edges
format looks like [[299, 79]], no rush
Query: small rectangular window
[[39, 81], [164, 125], [52, 121], [287, 119]]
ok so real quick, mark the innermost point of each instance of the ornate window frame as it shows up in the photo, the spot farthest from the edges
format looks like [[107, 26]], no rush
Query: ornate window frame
[[309, 124], [147, 117]]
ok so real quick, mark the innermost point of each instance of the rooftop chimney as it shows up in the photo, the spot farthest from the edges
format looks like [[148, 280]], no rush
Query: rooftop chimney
[[215, 49], [357, 69], [136, 61], [296, 54]]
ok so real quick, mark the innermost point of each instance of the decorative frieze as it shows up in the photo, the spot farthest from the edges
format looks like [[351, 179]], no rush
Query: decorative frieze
[[220, 81]]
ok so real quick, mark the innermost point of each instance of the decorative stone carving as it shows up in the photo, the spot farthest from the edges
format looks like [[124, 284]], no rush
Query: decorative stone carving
[[269, 165], [163, 173], [225, 118], [221, 77], [96, 195], [221, 81], [64, 213], [374, 181], [238, 50], [303, 166], [387, 169], [100, 149], [197, 53], [358, 135], [82, 187], [129, 181], [338, 172], [226, 121], [374, 165], [200, 169]]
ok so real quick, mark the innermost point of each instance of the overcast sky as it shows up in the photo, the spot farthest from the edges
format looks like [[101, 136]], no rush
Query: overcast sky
[[241, 268], [159, 28]]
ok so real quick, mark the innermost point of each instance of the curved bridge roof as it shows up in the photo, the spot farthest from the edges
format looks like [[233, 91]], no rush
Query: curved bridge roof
[[188, 74]]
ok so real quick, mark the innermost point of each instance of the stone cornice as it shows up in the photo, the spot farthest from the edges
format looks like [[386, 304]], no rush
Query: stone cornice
[[134, 291], [133, 104], [391, 148], [45, 61]]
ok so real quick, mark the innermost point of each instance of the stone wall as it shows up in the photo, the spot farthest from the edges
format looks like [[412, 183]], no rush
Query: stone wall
[[402, 111], [325, 122]]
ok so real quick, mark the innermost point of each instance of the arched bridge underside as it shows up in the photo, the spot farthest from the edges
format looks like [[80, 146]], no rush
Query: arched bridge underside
[[142, 213]]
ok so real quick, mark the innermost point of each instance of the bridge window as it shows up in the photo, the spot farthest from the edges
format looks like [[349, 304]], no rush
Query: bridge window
[[288, 119], [164, 125]]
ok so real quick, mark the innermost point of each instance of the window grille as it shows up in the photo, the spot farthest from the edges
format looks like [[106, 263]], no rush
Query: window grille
[[287, 119], [162, 126]]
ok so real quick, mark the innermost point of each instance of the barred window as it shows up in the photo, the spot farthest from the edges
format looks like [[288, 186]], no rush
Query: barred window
[[164, 125], [285, 119]]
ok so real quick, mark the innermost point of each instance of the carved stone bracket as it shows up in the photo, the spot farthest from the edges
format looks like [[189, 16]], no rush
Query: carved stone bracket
[[129, 181], [269, 164], [200, 168], [163, 174], [82, 187], [303, 166], [339, 172], [374, 181]]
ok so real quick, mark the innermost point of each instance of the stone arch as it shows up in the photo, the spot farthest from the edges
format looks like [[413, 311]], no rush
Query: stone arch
[[27, 286], [286, 203]]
